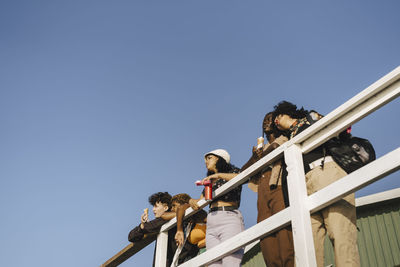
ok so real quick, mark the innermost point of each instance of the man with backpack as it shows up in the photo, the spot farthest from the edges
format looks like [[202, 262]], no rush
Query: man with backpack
[[337, 220]]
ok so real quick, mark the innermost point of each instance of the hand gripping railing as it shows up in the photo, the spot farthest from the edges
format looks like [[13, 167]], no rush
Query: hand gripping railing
[[372, 98]]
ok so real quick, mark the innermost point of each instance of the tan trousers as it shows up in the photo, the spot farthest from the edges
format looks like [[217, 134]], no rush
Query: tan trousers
[[337, 220]]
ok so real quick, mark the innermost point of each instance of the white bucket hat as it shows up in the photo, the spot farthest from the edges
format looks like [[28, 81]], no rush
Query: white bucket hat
[[220, 152]]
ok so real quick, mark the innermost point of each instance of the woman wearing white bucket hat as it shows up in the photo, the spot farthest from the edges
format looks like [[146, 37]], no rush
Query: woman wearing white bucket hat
[[224, 219]]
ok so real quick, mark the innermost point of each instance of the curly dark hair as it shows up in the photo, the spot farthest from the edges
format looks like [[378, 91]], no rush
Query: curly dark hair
[[181, 198], [162, 197], [222, 166], [285, 107]]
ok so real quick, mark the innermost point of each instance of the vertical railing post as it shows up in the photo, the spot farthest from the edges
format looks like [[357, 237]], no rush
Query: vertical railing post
[[161, 249], [301, 223]]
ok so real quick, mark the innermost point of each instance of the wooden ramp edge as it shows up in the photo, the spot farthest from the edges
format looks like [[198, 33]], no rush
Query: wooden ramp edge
[[129, 251]]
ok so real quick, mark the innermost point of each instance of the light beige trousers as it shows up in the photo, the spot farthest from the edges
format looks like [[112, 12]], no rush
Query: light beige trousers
[[337, 220]]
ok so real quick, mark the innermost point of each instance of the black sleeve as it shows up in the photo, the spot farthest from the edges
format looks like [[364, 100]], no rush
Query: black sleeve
[[135, 234], [153, 226], [250, 162], [149, 227]]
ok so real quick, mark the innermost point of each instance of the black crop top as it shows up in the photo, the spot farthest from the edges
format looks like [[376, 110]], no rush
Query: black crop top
[[231, 196]]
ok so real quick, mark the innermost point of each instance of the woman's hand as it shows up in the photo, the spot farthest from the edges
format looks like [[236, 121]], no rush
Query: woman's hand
[[179, 238], [212, 177]]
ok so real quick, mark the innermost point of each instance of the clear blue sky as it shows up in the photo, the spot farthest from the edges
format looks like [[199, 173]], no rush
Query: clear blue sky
[[103, 103]]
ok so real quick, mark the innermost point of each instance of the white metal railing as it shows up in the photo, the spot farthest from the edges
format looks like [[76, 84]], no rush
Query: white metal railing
[[301, 205]]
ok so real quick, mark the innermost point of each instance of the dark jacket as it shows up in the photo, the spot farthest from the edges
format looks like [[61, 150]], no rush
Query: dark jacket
[[153, 226]]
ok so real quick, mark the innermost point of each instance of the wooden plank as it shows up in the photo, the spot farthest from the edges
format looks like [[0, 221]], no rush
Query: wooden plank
[[129, 251]]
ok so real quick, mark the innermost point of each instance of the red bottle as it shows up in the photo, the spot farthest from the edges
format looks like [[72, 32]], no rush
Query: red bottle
[[207, 189]]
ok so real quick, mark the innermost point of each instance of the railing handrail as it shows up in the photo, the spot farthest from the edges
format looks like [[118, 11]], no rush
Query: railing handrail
[[129, 251]]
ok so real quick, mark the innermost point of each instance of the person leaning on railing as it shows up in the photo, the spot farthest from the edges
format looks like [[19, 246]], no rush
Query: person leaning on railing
[[224, 219], [277, 248], [161, 203], [197, 235], [338, 219], [197, 231]]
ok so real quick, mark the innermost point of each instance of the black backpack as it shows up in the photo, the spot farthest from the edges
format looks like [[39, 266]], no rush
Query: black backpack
[[349, 152]]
